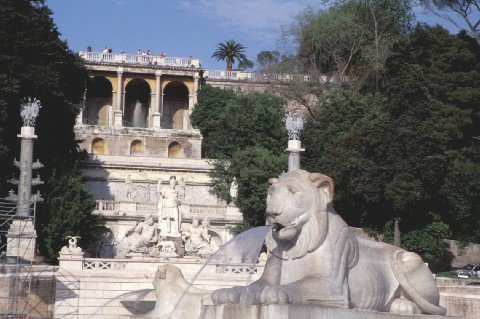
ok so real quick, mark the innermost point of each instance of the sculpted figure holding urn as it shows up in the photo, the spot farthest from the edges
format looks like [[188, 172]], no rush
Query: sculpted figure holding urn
[[167, 208], [197, 240]]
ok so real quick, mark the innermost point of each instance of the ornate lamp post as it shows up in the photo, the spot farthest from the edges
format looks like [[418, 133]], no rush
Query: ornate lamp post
[[294, 124], [21, 235]]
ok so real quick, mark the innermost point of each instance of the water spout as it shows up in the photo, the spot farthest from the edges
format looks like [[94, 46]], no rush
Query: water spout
[[138, 119]]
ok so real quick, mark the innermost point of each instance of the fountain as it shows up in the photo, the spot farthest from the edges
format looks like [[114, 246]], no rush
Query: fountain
[[138, 118], [316, 268]]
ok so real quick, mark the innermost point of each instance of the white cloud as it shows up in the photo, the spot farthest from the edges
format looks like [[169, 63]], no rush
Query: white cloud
[[261, 19]]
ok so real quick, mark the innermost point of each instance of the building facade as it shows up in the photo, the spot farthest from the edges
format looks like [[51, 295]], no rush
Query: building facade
[[135, 127]]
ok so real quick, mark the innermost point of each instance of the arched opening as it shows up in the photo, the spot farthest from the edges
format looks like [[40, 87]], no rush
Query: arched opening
[[175, 103], [136, 147], [137, 103], [98, 146], [175, 150], [98, 101]]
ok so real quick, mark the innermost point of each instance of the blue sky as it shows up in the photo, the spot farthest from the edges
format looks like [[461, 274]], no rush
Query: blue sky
[[180, 27]]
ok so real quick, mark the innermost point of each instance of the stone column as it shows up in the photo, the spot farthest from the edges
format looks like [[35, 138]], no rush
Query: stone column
[[21, 235], [79, 120], [118, 114], [158, 109], [27, 137], [293, 150], [186, 113], [151, 109], [196, 86]]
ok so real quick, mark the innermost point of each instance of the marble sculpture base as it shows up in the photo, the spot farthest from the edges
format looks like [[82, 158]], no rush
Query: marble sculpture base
[[299, 312]]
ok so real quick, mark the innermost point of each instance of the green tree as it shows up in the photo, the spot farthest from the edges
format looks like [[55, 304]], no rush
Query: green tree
[[229, 52], [247, 146], [267, 59], [35, 62], [245, 65], [408, 153], [350, 40], [69, 206]]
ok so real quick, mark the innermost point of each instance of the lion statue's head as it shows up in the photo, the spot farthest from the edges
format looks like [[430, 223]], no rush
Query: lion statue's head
[[297, 209]]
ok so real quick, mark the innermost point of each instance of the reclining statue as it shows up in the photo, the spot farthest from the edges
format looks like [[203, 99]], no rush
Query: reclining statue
[[316, 259]]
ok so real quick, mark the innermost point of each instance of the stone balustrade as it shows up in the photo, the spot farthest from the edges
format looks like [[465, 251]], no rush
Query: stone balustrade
[[255, 76], [139, 59]]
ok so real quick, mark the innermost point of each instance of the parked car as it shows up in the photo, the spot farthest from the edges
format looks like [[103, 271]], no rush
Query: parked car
[[468, 271]]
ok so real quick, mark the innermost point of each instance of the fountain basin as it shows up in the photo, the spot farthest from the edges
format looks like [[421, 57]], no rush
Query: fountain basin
[[297, 311]]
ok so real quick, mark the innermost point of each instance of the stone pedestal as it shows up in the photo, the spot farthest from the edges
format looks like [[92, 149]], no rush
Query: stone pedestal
[[177, 241], [118, 119], [293, 150], [297, 312], [21, 239], [156, 120]]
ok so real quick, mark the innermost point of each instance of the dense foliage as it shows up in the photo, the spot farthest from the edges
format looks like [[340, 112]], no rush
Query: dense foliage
[[35, 62], [409, 150], [245, 133]]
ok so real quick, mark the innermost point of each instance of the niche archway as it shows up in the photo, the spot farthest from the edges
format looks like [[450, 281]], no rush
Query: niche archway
[[137, 147], [175, 150], [137, 103], [98, 146], [98, 101], [175, 103]]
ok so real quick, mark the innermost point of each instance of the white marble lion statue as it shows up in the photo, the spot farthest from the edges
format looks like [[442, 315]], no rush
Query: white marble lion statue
[[316, 259]]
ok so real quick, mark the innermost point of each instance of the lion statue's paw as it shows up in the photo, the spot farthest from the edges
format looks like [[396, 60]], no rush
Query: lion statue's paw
[[272, 295], [226, 296]]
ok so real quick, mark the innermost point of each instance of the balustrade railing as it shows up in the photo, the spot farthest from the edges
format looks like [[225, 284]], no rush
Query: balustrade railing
[[101, 264], [139, 59], [256, 76], [98, 264], [105, 205]]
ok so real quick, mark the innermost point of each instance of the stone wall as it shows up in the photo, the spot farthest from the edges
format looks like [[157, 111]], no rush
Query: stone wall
[[105, 289], [459, 298], [462, 256], [95, 288], [33, 296], [155, 142]]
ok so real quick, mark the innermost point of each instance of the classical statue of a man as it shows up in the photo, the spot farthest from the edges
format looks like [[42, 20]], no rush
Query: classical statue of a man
[[143, 236], [129, 189], [168, 212], [197, 241]]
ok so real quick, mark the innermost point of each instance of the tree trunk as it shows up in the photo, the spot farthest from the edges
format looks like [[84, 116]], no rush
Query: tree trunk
[[396, 232], [229, 64]]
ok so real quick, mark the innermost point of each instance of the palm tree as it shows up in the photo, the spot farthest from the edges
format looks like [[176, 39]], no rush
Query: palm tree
[[229, 51]]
